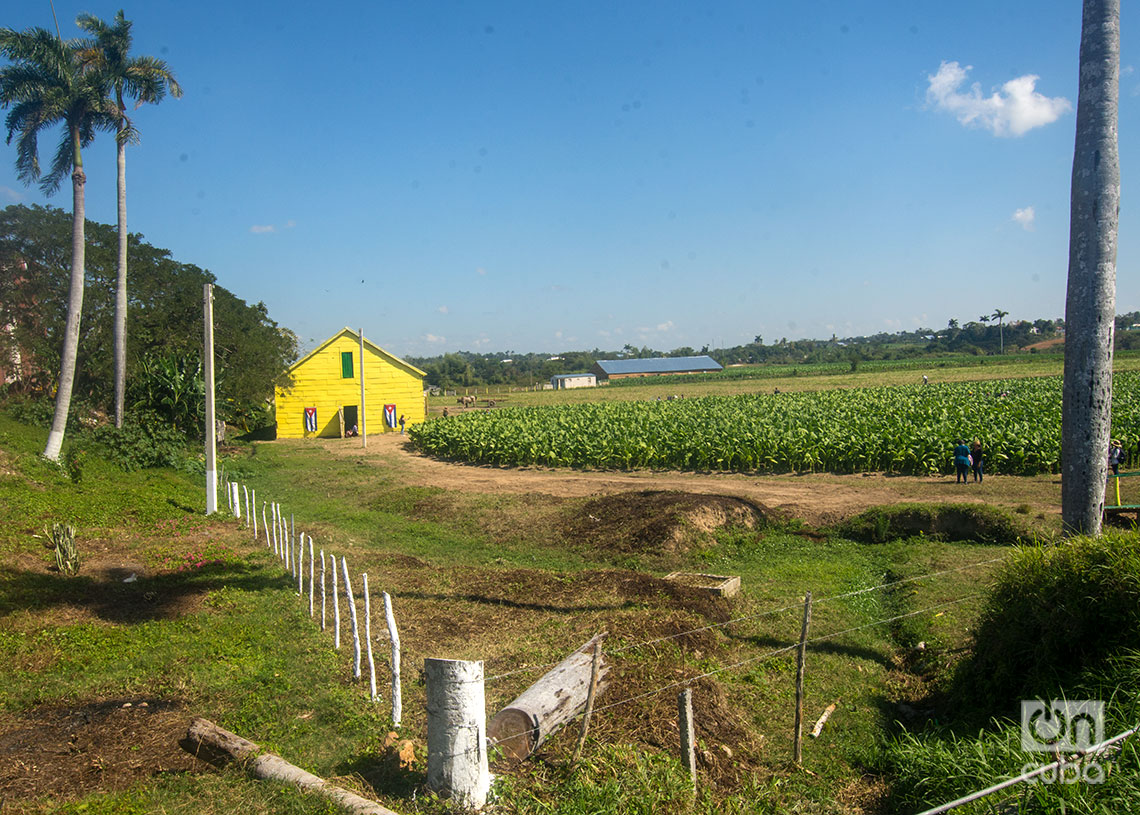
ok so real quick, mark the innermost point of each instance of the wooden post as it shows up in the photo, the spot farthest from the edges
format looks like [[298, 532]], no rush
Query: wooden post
[[688, 734], [352, 615], [273, 523], [456, 731], [253, 498], [547, 705], [236, 500], [300, 556], [245, 491], [312, 575], [336, 603], [394, 639], [323, 593], [265, 524], [368, 638], [363, 414], [594, 669], [797, 745], [211, 426]]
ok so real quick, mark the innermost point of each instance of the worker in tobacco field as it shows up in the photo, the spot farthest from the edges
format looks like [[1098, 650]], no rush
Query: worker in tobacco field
[[962, 462], [976, 459]]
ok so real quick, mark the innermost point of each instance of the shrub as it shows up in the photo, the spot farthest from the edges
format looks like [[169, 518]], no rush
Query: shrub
[[1054, 614], [66, 552], [145, 440]]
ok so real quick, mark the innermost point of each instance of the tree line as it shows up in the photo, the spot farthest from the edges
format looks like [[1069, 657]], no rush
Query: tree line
[[164, 359]]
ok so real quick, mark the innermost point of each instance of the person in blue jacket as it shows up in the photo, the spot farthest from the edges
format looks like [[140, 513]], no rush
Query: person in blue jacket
[[962, 462]]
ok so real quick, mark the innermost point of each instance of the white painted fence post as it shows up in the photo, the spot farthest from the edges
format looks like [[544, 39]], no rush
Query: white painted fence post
[[253, 497], [336, 602], [368, 637], [245, 491], [457, 731], [312, 575], [235, 499], [273, 518], [352, 616], [265, 524], [300, 556], [394, 639], [323, 595]]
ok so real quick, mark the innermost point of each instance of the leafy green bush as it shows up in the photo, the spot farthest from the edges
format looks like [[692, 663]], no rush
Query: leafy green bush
[[1054, 613], [145, 440], [956, 522]]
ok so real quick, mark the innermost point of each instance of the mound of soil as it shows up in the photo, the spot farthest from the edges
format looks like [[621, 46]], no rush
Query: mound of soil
[[957, 522], [98, 745], [661, 522]]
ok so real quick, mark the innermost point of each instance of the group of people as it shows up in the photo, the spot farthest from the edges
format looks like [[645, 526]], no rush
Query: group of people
[[967, 458]]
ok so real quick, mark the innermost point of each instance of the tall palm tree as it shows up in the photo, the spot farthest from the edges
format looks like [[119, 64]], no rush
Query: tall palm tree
[[998, 315], [45, 86], [143, 79], [1090, 304]]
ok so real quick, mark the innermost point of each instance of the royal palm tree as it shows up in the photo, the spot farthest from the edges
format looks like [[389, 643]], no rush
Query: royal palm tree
[[44, 86], [145, 80], [999, 315], [1090, 303]]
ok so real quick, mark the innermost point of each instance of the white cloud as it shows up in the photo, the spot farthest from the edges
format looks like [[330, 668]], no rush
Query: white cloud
[[481, 271], [442, 309], [1025, 216], [261, 229], [290, 224], [433, 339], [665, 326], [11, 195], [1012, 111]]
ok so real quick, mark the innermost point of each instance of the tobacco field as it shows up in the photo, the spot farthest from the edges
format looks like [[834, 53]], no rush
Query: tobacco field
[[910, 430]]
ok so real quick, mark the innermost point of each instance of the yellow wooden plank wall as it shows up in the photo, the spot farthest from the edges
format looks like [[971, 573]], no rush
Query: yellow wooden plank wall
[[318, 383]]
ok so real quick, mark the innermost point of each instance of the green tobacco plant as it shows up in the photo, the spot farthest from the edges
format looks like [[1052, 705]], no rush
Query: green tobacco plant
[[66, 552]]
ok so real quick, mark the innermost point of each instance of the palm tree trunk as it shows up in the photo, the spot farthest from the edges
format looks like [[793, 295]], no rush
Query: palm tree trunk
[[74, 308], [121, 288], [1091, 300]]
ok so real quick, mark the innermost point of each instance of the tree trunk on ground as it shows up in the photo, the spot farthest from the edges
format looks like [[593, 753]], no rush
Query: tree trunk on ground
[[547, 705], [1090, 304], [74, 309], [121, 287]]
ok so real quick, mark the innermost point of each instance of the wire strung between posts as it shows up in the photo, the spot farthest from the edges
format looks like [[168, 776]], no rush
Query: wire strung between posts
[[756, 616], [778, 651]]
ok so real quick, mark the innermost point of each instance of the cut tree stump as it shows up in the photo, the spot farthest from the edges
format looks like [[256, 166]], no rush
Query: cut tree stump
[[207, 741], [547, 705]]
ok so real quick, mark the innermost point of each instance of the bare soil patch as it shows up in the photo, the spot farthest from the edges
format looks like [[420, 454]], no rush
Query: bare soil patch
[[105, 745]]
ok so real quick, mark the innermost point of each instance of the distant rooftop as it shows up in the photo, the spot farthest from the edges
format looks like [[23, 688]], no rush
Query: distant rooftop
[[665, 365]]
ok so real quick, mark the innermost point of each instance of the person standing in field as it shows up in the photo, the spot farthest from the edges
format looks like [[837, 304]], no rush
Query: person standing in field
[[1115, 454], [976, 459], [962, 462]]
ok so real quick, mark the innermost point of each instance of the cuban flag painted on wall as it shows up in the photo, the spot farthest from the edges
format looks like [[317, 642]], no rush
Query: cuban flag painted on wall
[[390, 416], [311, 419]]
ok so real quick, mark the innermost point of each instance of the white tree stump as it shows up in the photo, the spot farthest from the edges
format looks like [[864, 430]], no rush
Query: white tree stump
[[352, 616], [547, 705], [394, 639], [456, 731]]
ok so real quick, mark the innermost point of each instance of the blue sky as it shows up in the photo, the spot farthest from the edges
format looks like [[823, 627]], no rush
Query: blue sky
[[495, 176]]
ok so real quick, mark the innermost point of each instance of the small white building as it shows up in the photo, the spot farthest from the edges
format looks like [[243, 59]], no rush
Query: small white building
[[564, 381]]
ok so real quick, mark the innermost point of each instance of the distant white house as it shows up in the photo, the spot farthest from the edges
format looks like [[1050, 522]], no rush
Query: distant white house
[[565, 381]]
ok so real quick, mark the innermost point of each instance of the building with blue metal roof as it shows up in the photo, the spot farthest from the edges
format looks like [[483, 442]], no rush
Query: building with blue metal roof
[[660, 366]]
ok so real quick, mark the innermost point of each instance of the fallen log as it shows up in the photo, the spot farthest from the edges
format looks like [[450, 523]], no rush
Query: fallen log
[[547, 705], [207, 741]]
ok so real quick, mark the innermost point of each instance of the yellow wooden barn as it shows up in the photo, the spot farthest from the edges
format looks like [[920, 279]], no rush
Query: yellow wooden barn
[[324, 399]]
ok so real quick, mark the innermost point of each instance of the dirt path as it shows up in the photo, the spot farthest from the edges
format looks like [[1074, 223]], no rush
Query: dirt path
[[816, 499]]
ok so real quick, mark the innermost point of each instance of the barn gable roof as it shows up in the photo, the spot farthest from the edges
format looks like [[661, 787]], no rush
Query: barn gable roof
[[392, 358], [666, 365]]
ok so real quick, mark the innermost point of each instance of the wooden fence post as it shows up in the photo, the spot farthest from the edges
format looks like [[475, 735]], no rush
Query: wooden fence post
[[368, 637], [394, 639], [245, 491], [797, 745], [688, 734], [312, 575], [595, 667], [336, 603], [299, 546], [352, 616], [265, 526], [457, 731], [253, 497], [323, 593], [273, 518]]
